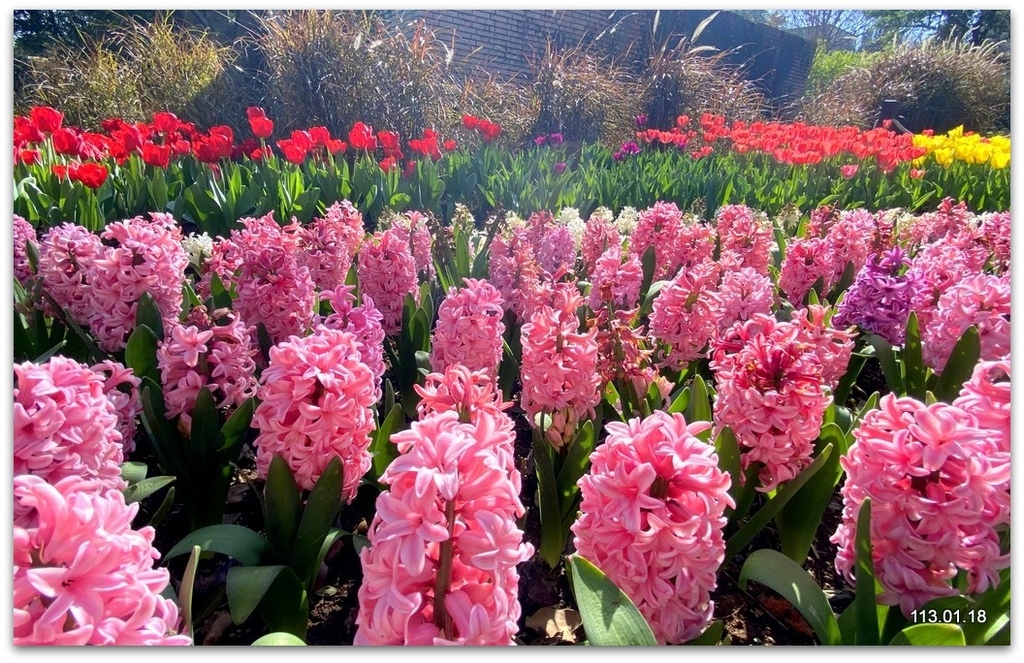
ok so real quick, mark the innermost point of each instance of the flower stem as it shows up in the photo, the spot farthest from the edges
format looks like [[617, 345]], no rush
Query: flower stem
[[442, 619]]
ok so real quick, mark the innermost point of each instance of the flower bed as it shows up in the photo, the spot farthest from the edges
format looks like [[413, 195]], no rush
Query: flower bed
[[502, 429]]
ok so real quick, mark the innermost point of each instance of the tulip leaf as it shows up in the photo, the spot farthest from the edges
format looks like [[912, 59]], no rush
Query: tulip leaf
[[275, 591], [143, 489], [699, 407], [609, 617], [575, 465], [931, 635], [552, 536], [148, 313], [237, 542], [781, 574], [235, 430], [140, 353], [865, 610], [712, 635], [383, 451], [890, 367], [133, 472], [913, 364]]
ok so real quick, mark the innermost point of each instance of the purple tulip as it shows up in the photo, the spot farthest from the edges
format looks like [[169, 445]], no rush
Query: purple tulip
[[559, 168]]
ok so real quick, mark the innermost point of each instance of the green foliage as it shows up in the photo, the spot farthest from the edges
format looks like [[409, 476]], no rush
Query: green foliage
[[830, 65], [938, 85], [609, 616]]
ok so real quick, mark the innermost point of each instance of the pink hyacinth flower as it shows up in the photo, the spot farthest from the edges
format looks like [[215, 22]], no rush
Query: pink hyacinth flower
[[387, 273], [939, 494], [651, 517], [82, 575], [64, 424], [441, 565], [469, 329], [316, 403]]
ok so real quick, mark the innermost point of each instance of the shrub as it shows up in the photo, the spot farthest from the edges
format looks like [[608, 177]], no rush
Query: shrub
[[583, 96], [506, 102], [686, 80], [136, 71], [938, 85], [830, 65], [336, 68]]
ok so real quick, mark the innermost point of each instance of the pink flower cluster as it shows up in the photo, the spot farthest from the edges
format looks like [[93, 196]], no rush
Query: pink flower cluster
[[615, 282], [461, 390], [23, 234], [513, 270], [330, 243], [274, 289], [139, 256], [981, 300], [685, 314], [939, 493], [121, 388], [364, 321], [557, 251], [559, 367], [412, 229], [741, 294], [880, 297], [100, 284], [935, 269], [746, 238], [213, 351], [655, 223], [600, 235], [316, 403], [82, 575], [772, 394], [623, 352], [387, 273], [807, 260], [441, 565], [995, 228], [64, 424], [469, 329], [651, 518], [986, 396]]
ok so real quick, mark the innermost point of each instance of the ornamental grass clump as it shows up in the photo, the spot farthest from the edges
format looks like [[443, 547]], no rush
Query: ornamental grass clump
[[316, 403], [940, 496], [444, 545], [651, 519], [82, 574]]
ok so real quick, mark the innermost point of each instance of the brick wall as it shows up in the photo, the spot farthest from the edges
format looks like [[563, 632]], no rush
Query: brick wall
[[504, 41]]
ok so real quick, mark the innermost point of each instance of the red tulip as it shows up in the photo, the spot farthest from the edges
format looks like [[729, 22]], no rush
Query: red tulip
[[29, 157], [319, 135], [450, 145], [261, 127], [91, 174], [165, 122], [292, 151], [46, 119], [361, 137], [66, 141], [156, 155], [849, 170], [388, 164]]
